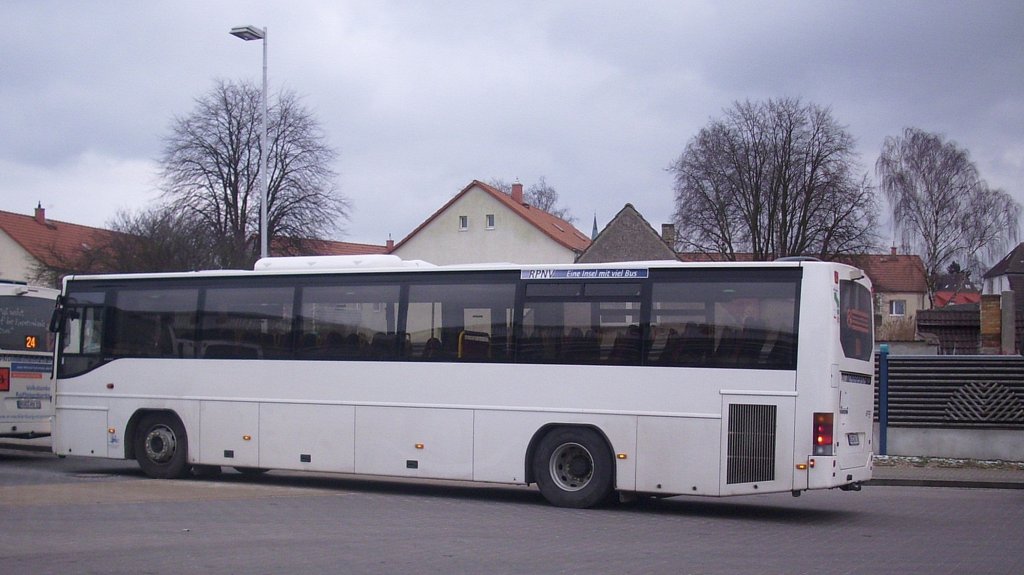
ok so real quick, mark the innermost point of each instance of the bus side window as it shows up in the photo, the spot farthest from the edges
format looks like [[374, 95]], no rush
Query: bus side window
[[84, 328], [465, 321]]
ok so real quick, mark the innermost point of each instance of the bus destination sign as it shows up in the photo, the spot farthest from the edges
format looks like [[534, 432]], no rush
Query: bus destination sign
[[578, 274]]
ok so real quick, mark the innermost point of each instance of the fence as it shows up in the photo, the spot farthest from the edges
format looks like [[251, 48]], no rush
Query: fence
[[951, 406]]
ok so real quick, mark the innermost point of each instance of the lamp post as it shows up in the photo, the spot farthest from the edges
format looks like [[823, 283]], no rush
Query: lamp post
[[253, 33]]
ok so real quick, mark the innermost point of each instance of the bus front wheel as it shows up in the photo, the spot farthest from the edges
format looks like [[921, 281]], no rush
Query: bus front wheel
[[161, 446], [573, 467]]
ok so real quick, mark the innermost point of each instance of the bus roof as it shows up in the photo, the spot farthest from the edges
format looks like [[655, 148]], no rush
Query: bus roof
[[21, 288], [314, 265]]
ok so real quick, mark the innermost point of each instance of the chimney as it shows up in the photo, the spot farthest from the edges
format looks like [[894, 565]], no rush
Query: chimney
[[517, 193], [390, 245], [668, 235], [892, 251], [41, 214]]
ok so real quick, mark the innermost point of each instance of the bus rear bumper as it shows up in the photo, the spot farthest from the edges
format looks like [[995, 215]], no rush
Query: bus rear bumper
[[826, 473]]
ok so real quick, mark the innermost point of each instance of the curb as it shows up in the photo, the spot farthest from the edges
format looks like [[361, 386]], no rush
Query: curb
[[965, 484]]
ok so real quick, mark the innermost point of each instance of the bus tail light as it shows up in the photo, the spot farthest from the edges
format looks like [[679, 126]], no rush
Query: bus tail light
[[822, 434]]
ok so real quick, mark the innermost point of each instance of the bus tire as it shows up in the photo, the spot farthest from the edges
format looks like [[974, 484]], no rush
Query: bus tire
[[161, 446], [573, 467]]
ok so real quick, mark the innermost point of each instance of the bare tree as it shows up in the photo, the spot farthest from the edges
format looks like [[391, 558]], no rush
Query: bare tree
[[940, 205], [159, 240], [540, 195], [50, 270], [774, 179], [211, 170], [154, 240], [545, 197]]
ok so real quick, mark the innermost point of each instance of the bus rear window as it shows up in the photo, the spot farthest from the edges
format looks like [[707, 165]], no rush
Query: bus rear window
[[726, 318], [23, 323], [855, 320]]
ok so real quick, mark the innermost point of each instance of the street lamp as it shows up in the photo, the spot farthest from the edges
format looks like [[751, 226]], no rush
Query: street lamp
[[253, 33]]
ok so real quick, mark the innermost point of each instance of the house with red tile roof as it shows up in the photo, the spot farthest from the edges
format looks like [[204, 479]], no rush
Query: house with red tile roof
[[945, 298], [483, 224], [900, 291], [30, 243]]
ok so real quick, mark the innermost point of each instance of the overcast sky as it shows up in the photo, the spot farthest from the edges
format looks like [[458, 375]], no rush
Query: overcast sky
[[420, 98]]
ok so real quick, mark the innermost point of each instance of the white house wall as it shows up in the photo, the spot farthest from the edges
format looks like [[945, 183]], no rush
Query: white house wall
[[512, 240], [15, 263], [997, 284]]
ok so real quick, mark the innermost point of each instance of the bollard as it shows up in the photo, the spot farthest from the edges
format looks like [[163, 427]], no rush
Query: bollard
[[883, 398]]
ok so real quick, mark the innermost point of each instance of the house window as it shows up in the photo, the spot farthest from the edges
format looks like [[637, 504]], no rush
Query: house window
[[490, 221], [463, 223], [898, 307]]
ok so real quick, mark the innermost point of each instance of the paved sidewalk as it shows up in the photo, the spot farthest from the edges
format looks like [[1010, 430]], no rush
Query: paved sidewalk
[[940, 472]]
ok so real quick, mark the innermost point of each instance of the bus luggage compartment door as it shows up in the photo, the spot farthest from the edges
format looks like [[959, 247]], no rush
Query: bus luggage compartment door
[[229, 433], [757, 443], [414, 442], [95, 443]]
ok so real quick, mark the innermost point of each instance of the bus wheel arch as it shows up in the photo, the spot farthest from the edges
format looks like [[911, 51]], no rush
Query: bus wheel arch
[[159, 443], [573, 465]]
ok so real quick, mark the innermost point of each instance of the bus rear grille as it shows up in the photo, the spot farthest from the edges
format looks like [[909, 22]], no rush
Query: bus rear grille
[[751, 455]]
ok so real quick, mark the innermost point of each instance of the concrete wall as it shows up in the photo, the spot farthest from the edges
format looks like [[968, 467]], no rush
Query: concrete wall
[[983, 444]]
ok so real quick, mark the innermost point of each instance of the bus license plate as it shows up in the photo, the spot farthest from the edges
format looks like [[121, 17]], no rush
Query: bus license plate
[[30, 404]]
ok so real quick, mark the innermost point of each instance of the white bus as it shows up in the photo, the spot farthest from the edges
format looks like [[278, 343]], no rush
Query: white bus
[[26, 360], [651, 378]]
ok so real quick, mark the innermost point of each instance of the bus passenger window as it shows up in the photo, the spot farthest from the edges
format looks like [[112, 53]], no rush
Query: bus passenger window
[[459, 321], [246, 323], [349, 321], [153, 323], [726, 319]]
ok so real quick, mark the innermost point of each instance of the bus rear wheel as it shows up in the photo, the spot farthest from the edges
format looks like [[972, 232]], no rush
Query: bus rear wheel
[[161, 446], [573, 468]]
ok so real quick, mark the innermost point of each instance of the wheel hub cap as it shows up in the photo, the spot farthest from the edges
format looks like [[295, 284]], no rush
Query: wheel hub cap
[[160, 444], [572, 467]]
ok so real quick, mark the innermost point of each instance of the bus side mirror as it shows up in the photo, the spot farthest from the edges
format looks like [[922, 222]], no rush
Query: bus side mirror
[[61, 314], [58, 320]]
